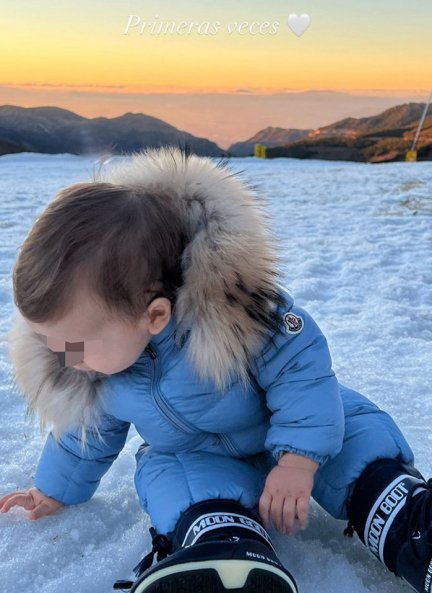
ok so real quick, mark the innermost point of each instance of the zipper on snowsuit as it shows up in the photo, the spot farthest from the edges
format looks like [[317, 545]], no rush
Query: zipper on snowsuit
[[167, 411]]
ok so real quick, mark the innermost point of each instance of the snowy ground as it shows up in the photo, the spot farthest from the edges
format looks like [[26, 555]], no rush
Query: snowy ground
[[357, 255]]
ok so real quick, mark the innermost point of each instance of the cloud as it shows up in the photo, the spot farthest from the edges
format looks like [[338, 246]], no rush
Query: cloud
[[60, 86]]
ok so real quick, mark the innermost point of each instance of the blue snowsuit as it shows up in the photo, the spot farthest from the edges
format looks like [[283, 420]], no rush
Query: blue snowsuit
[[199, 444]]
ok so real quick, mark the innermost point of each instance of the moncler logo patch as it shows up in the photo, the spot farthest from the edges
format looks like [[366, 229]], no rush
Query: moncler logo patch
[[293, 323]]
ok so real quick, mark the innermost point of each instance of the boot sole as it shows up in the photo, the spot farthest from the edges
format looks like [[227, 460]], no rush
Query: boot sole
[[217, 576]]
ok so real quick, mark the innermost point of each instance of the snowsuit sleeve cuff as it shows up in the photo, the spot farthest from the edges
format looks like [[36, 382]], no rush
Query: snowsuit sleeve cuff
[[279, 451]]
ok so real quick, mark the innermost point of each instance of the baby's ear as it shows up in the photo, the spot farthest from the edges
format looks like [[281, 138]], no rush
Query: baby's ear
[[158, 314]]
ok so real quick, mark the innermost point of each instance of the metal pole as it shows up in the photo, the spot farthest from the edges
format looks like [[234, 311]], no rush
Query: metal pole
[[423, 117]]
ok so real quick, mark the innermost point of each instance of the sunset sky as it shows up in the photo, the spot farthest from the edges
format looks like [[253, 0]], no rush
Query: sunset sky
[[75, 54]]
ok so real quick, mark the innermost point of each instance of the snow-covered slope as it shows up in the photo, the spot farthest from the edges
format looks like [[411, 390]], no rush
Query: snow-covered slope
[[357, 246]]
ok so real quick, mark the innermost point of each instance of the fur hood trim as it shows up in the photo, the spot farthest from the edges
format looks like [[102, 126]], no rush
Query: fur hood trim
[[225, 306], [62, 397]]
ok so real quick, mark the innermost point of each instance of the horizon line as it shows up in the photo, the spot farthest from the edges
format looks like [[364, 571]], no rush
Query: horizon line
[[171, 90]]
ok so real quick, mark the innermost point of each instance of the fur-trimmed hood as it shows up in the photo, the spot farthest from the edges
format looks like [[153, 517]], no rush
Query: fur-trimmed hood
[[225, 306]]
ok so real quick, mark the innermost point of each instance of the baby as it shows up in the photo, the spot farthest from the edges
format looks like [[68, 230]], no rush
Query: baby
[[150, 296]]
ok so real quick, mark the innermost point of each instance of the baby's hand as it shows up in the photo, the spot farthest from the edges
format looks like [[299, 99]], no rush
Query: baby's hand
[[31, 500], [286, 493]]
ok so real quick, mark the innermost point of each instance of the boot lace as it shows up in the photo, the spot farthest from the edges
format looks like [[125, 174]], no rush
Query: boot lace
[[349, 529], [161, 547]]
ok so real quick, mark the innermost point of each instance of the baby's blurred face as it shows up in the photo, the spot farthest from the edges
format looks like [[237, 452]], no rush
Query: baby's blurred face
[[87, 339]]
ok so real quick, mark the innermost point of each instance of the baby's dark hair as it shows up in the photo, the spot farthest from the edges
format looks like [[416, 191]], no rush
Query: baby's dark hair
[[123, 242]]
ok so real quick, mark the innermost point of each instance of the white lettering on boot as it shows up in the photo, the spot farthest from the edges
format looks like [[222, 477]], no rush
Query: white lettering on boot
[[428, 579], [212, 521], [383, 513]]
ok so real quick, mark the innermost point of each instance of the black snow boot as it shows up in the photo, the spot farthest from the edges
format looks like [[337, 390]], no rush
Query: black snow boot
[[216, 546], [391, 511]]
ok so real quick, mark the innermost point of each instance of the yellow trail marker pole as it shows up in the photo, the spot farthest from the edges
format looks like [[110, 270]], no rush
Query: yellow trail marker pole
[[260, 151]]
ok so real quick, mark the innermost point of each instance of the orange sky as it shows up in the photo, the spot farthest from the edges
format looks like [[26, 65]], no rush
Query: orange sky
[[346, 47], [81, 55]]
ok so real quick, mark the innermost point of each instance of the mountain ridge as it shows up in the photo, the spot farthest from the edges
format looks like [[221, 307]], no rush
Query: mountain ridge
[[383, 137], [52, 130]]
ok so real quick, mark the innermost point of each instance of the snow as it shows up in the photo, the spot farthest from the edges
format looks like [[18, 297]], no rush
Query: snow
[[357, 254]]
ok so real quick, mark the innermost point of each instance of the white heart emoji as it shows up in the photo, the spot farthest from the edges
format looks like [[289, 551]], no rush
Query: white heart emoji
[[298, 24]]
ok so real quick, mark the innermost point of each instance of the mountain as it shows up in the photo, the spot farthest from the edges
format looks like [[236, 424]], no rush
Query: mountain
[[54, 130], [270, 136], [382, 138], [392, 120], [8, 147]]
